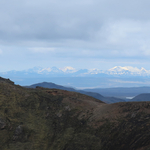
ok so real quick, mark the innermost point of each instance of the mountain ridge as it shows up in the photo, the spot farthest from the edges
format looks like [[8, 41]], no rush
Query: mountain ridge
[[69, 76], [142, 97], [70, 71], [121, 91], [92, 94]]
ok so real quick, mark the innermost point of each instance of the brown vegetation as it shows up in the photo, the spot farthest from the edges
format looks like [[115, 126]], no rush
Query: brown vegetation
[[44, 119]]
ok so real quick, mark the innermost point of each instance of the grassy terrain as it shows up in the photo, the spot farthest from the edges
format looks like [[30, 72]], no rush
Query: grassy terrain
[[44, 119]]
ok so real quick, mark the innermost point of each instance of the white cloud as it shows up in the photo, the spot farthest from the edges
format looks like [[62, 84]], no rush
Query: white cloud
[[125, 37]]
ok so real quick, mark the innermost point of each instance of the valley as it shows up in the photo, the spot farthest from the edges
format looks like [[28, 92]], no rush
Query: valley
[[107, 95]]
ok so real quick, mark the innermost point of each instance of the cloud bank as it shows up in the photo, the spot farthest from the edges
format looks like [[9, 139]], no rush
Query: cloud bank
[[61, 31]]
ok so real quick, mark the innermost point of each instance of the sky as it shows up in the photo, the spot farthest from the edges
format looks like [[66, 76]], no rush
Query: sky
[[82, 34]]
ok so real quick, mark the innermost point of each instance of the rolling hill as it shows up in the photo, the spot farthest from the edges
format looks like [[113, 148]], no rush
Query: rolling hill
[[121, 92], [93, 94], [142, 97]]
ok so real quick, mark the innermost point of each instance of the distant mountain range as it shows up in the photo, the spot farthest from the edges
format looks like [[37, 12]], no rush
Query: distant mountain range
[[128, 71], [82, 78], [92, 94], [120, 92], [142, 97], [72, 72], [109, 95]]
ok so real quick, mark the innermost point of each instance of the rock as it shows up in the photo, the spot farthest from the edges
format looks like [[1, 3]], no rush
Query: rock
[[18, 130], [2, 124]]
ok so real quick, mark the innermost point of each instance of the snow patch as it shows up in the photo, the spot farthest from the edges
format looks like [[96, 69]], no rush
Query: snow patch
[[68, 69]]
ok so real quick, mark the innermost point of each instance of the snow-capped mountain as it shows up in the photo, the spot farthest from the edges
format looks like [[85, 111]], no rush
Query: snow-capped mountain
[[117, 76], [68, 69], [50, 70], [72, 72], [95, 71], [128, 70]]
